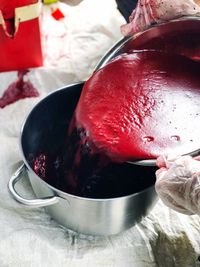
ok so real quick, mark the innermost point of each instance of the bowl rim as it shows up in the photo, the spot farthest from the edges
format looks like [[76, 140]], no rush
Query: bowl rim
[[111, 52]]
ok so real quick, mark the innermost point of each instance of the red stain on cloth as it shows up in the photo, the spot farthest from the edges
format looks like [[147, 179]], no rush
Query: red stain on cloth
[[18, 90], [142, 105]]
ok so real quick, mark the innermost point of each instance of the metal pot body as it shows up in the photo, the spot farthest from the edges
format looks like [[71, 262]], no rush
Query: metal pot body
[[44, 127], [97, 216]]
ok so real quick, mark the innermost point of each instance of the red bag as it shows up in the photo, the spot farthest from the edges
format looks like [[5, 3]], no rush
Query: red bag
[[20, 44]]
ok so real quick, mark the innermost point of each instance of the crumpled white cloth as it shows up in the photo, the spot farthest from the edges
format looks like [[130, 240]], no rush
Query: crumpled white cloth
[[29, 237], [77, 42]]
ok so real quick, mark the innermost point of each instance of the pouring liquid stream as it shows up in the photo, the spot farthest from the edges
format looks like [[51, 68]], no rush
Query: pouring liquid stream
[[148, 105]]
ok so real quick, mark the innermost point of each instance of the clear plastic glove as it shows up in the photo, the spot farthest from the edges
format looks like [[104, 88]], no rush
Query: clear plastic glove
[[178, 183], [148, 12]]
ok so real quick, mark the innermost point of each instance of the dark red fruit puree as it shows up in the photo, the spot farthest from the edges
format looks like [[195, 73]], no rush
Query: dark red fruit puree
[[142, 105], [138, 106], [18, 90]]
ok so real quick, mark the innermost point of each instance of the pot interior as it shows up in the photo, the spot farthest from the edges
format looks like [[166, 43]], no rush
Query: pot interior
[[45, 132]]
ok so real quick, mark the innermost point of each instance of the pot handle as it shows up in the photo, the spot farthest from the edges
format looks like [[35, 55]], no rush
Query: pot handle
[[34, 203]]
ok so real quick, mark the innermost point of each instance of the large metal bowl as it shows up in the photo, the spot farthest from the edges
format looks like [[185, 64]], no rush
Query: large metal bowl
[[183, 35], [154, 38]]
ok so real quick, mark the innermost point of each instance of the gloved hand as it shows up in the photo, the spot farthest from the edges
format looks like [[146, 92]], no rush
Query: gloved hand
[[149, 12], [178, 183]]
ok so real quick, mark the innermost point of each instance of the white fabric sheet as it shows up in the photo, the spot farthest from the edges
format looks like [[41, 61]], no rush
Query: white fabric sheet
[[29, 237]]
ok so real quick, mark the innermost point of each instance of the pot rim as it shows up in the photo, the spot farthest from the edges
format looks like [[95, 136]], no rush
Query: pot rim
[[58, 192]]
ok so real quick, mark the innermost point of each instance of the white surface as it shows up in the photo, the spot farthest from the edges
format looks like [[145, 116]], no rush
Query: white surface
[[30, 238]]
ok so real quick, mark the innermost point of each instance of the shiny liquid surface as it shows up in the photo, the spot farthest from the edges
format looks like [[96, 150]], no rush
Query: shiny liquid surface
[[142, 105]]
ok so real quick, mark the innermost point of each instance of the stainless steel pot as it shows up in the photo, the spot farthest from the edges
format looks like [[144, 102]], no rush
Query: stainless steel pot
[[46, 126]]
